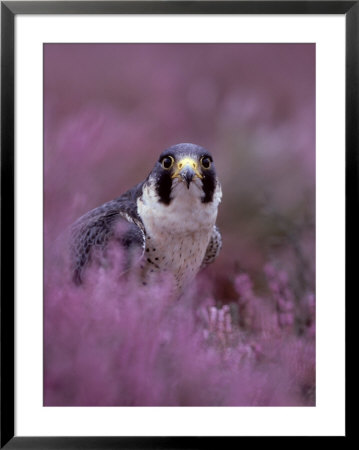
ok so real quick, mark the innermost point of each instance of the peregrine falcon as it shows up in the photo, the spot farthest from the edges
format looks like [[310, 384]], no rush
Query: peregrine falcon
[[165, 224]]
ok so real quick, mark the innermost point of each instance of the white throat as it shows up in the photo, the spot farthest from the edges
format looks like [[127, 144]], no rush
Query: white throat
[[177, 234], [185, 214]]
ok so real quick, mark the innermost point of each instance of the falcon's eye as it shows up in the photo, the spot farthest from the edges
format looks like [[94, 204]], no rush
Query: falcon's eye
[[206, 162], [167, 162]]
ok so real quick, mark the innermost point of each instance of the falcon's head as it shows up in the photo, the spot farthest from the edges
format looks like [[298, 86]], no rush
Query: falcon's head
[[185, 170]]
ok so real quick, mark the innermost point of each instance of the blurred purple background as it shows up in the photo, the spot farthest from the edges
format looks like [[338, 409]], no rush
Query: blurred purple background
[[109, 111]]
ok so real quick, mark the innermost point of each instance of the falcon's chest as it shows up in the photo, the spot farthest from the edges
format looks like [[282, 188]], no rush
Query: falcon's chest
[[180, 255], [177, 234]]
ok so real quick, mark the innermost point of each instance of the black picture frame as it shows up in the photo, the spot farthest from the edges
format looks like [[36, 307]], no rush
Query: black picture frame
[[9, 9]]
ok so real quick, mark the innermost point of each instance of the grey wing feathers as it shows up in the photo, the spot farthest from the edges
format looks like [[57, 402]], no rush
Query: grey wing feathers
[[213, 248], [116, 221]]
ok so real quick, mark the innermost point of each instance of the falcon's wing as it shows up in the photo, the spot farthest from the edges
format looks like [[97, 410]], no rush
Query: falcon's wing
[[115, 221], [214, 247]]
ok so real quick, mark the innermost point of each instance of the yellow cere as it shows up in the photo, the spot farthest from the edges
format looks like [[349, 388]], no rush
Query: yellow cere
[[186, 162]]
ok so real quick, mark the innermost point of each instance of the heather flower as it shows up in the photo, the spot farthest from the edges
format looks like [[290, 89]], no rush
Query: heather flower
[[244, 287]]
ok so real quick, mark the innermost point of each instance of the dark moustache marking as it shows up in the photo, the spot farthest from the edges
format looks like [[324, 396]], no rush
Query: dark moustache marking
[[164, 187], [209, 184]]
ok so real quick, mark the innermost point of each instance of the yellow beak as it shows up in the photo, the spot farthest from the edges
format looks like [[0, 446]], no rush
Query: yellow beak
[[187, 169]]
